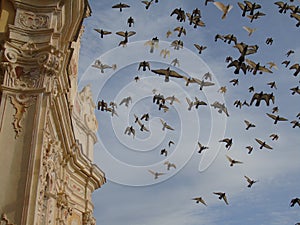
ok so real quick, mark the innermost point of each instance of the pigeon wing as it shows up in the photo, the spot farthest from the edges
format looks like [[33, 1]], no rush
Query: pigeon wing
[[121, 33], [271, 116], [175, 74], [225, 199], [220, 6], [130, 33]]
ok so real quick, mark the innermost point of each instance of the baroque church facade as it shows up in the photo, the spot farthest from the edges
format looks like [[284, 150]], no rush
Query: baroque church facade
[[47, 125]]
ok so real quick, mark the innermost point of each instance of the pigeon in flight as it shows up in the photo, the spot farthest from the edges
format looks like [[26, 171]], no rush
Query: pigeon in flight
[[295, 123], [167, 73], [164, 152], [175, 62], [130, 21], [170, 143], [221, 107], [144, 65], [153, 43], [201, 147], [295, 67], [276, 118], [180, 30], [222, 195], [249, 30], [263, 144], [224, 8], [120, 6], [102, 32], [165, 125], [172, 99], [250, 149], [248, 124], [180, 14], [250, 181], [233, 161], [274, 137], [295, 90], [169, 165], [147, 3], [101, 66], [297, 17], [164, 52], [200, 48], [199, 200], [156, 174], [145, 116], [130, 130], [142, 126], [228, 142], [295, 201], [126, 101]]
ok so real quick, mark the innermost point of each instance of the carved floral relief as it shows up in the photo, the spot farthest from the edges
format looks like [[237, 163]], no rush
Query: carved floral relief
[[33, 21]]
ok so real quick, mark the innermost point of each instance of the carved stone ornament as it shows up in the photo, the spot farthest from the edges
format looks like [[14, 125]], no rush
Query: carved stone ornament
[[21, 102], [88, 219], [33, 21], [49, 176], [16, 77], [27, 65], [89, 108], [4, 220], [63, 205], [50, 62]]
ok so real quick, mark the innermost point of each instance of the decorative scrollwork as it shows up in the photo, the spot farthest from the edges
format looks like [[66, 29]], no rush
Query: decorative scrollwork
[[21, 102], [28, 49], [33, 21], [50, 62], [4, 220], [11, 55], [27, 66], [63, 205]]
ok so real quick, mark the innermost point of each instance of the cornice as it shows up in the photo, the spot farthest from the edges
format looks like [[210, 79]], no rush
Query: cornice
[[24, 91], [74, 154], [83, 165], [38, 6], [37, 36]]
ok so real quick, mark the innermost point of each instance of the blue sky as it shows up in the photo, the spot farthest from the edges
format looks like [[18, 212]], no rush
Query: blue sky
[[131, 194]]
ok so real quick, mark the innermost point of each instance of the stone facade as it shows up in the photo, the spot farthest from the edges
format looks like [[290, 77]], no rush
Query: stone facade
[[47, 127]]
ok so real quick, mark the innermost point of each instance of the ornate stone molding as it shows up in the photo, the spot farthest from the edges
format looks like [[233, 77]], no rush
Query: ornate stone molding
[[21, 102], [4, 220], [86, 109], [12, 78], [50, 61], [28, 66], [49, 175], [64, 208], [88, 219], [33, 21]]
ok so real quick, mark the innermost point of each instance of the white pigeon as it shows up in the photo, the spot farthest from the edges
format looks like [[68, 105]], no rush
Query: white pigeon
[[224, 8]]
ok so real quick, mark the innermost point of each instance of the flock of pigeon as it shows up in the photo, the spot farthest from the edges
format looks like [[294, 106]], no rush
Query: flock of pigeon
[[241, 64]]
